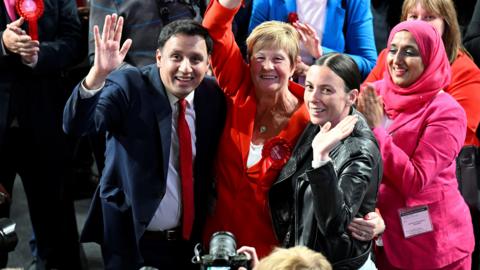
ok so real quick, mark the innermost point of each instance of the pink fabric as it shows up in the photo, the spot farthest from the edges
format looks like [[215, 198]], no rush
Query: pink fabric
[[10, 6], [436, 76], [418, 152]]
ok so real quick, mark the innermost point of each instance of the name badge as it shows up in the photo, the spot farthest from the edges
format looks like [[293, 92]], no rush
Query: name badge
[[415, 220]]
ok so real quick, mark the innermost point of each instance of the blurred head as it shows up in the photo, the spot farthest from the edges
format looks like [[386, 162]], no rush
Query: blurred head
[[442, 15], [298, 258], [183, 55], [272, 49], [331, 88]]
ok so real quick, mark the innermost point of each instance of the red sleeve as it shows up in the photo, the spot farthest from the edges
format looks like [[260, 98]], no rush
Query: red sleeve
[[377, 72], [227, 62], [465, 89]]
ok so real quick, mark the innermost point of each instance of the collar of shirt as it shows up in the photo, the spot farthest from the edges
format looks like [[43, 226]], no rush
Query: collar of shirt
[[173, 100]]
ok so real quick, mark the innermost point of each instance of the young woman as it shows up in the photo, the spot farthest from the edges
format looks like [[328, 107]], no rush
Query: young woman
[[334, 172]]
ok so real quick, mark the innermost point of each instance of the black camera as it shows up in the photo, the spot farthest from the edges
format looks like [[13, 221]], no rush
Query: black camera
[[222, 254], [8, 236]]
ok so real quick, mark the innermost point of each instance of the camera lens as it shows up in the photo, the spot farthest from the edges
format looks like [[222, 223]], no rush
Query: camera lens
[[222, 246]]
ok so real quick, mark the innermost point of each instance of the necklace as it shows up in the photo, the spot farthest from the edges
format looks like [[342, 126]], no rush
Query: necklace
[[262, 129]]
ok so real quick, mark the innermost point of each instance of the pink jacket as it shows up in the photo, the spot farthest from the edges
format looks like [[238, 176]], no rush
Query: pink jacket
[[418, 152]]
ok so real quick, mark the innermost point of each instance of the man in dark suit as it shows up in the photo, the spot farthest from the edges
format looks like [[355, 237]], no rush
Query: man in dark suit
[[143, 21], [136, 214], [32, 143]]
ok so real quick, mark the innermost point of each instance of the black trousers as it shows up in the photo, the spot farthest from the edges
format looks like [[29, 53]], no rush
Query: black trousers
[[163, 254], [43, 165]]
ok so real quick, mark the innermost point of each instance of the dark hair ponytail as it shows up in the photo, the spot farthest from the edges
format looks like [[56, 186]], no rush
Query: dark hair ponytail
[[344, 66]]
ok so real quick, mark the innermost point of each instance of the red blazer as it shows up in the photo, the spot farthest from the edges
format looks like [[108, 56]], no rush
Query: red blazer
[[241, 205], [464, 88], [418, 151]]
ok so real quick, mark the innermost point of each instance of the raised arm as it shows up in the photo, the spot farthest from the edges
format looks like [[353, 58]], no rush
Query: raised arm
[[338, 192], [88, 111], [108, 54], [228, 65]]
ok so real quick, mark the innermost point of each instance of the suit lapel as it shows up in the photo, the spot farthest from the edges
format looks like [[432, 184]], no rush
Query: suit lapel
[[163, 114], [301, 150]]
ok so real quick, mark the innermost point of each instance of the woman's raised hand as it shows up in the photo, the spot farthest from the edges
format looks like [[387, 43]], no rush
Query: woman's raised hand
[[108, 53], [309, 38], [328, 137]]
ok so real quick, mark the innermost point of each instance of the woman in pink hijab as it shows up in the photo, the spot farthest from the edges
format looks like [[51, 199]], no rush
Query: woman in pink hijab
[[420, 130]]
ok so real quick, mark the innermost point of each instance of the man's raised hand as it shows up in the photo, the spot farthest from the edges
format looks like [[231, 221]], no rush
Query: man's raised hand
[[108, 53]]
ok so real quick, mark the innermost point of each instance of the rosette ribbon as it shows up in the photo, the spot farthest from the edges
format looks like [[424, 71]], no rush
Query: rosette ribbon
[[31, 10], [276, 152]]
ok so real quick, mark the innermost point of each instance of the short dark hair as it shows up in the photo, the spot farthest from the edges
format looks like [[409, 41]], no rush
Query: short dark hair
[[186, 27], [345, 68]]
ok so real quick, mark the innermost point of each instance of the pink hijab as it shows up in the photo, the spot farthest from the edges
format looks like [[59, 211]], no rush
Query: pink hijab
[[435, 77]]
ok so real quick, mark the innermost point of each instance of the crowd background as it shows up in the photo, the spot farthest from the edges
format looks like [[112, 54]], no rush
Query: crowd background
[[85, 167]]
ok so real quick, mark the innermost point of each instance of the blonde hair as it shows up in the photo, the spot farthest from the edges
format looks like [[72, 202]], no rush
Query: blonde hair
[[445, 9], [295, 258], [274, 34]]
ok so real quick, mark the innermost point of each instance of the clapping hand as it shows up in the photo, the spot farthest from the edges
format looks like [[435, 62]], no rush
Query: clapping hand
[[17, 41], [108, 53], [328, 137], [371, 106]]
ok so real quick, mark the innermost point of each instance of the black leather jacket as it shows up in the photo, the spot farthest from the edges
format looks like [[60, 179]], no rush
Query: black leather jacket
[[326, 199]]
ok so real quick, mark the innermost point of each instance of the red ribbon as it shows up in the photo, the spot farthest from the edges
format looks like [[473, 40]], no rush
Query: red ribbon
[[31, 10], [276, 152]]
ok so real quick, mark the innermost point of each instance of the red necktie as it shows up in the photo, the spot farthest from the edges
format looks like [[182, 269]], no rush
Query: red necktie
[[186, 170]]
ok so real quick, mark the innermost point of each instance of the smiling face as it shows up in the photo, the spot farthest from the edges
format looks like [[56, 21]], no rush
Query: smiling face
[[420, 13], [325, 96], [404, 61], [183, 63], [270, 70]]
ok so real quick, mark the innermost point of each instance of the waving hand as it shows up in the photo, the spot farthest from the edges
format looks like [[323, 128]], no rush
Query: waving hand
[[328, 137], [108, 53]]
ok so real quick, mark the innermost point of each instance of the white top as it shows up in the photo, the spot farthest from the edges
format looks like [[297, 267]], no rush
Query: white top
[[254, 155]]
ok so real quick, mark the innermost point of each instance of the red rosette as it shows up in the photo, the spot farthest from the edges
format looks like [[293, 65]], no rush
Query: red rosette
[[31, 10], [276, 152], [292, 17]]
